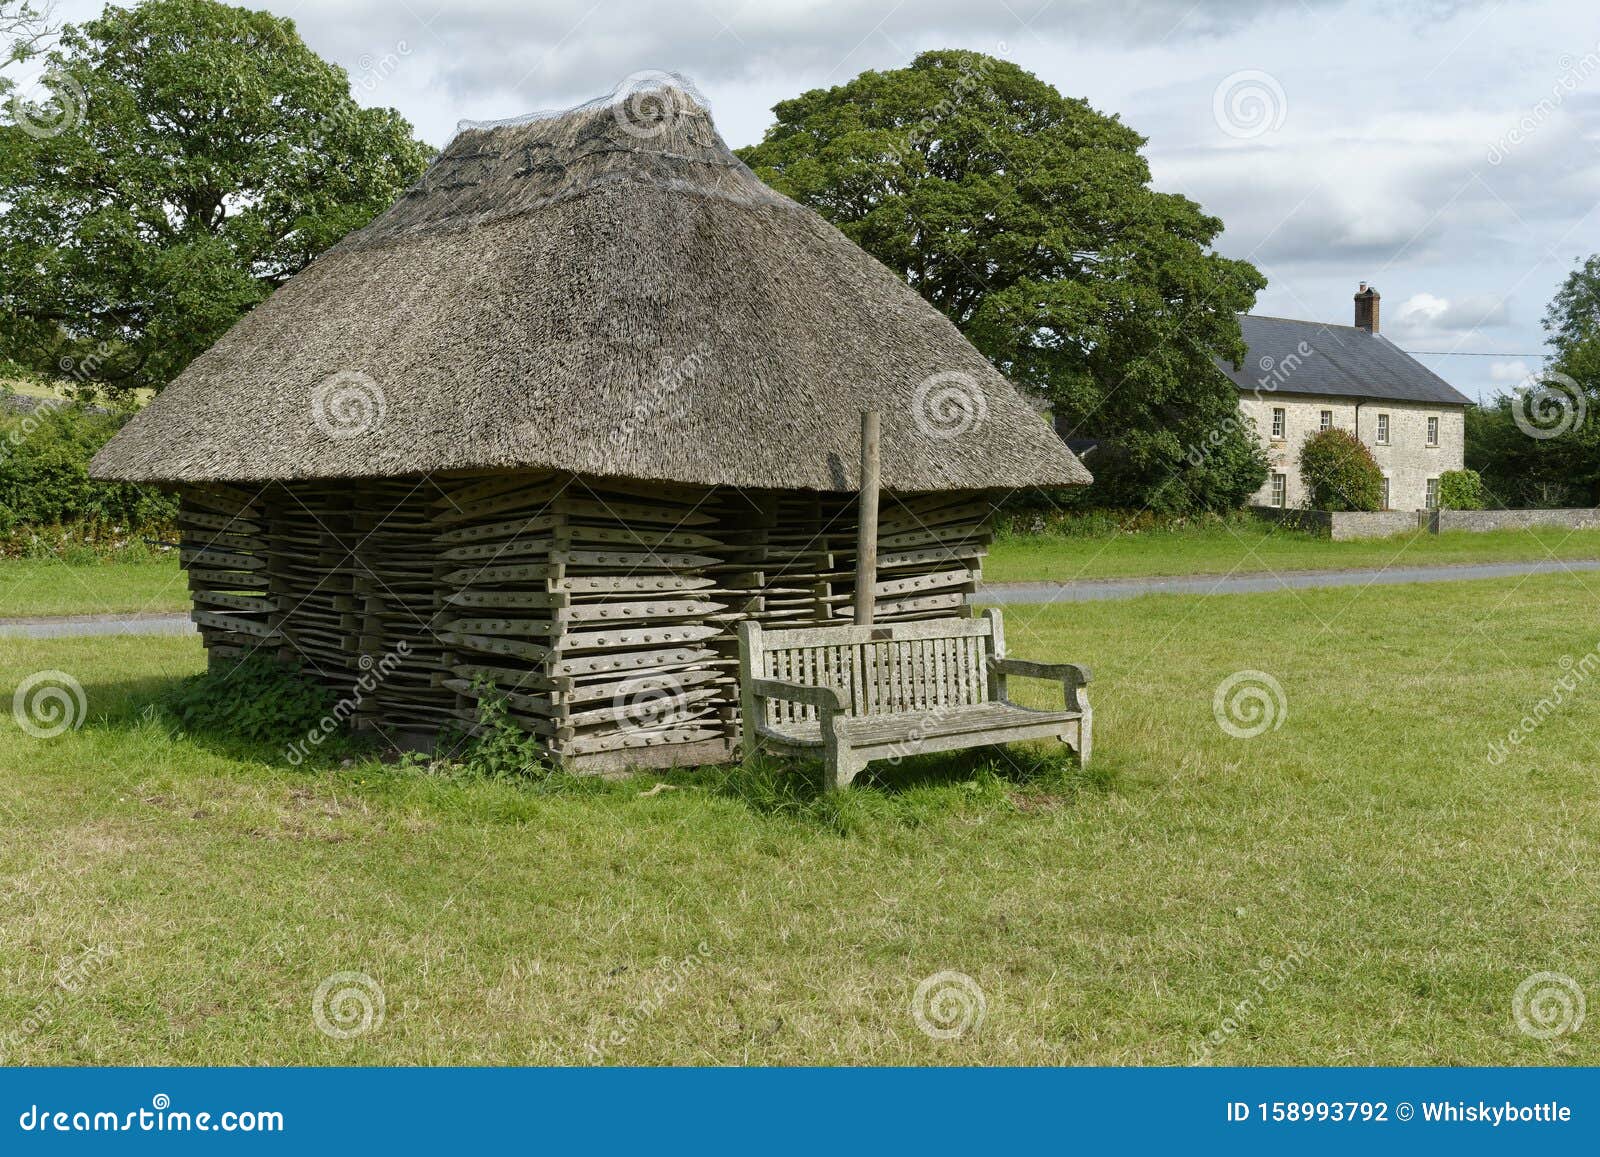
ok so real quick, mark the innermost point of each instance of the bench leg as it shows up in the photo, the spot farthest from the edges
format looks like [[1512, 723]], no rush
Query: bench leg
[[1081, 740], [840, 766]]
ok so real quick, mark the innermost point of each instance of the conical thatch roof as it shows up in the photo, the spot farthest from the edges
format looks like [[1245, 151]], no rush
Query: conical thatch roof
[[608, 291]]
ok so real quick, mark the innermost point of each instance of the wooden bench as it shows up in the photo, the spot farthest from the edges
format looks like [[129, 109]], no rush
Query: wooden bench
[[848, 695]]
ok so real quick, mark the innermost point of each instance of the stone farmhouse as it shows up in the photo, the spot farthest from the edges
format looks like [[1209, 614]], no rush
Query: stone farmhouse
[[1304, 376]]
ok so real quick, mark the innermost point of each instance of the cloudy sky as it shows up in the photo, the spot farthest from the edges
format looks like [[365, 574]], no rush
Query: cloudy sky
[[1447, 151]]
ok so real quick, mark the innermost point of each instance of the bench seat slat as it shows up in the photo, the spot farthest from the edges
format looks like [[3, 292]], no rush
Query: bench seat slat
[[910, 727]]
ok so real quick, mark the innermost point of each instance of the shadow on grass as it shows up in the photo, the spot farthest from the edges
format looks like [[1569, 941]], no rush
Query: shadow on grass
[[1023, 778], [910, 793]]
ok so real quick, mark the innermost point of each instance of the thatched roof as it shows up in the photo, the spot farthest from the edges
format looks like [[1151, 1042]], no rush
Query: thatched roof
[[608, 291]]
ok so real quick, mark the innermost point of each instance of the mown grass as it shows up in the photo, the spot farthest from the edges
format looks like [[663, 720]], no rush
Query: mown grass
[[90, 586], [1394, 883], [87, 585], [1252, 546]]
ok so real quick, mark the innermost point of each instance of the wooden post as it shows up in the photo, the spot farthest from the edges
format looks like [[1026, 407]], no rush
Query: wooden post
[[867, 521]]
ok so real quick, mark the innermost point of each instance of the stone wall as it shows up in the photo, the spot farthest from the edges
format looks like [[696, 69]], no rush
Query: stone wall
[[1345, 525], [1571, 519]]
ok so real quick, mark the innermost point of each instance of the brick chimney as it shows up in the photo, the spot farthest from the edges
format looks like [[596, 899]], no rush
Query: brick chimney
[[1367, 308]]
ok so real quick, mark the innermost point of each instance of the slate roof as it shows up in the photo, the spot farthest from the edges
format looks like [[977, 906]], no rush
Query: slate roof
[[1342, 361]]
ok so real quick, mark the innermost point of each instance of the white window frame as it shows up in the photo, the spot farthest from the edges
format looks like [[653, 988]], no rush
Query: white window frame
[[1386, 492], [1325, 420], [1279, 491], [1382, 435], [1430, 494], [1280, 423], [1433, 431]]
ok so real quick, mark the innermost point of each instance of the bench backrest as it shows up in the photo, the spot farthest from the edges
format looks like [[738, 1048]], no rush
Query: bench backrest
[[884, 669]]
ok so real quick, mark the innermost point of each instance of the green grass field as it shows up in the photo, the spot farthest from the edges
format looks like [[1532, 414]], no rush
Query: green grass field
[[1360, 885], [1260, 546], [53, 587]]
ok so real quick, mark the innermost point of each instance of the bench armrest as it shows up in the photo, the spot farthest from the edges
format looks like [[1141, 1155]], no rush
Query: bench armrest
[[824, 699], [1077, 675], [1072, 677]]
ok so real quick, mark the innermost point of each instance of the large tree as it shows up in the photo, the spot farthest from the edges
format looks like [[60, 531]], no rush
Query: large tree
[[1028, 218], [192, 157], [1540, 445]]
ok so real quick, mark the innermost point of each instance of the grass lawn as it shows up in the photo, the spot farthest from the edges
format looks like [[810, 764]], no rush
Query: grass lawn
[[53, 587], [1361, 885], [1264, 547]]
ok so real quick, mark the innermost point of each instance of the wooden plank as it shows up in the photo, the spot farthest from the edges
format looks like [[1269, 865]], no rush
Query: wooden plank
[[623, 611], [635, 512], [236, 602], [220, 559], [507, 529], [494, 646], [506, 599], [598, 584], [629, 660], [629, 559], [640, 636], [503, 626], [490, 575], [509, 550], [236, 624], [201, 520], [508, 676]]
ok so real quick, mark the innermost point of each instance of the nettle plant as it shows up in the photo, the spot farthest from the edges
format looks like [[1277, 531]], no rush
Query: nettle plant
[[259, 700]]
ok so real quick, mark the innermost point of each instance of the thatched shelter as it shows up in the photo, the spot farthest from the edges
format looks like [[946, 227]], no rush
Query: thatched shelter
[[585, 396]]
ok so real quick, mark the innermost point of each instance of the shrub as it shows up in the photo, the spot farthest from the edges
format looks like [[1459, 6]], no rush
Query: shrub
[[1461, 490], [260, 699], [44, 474], [1340, 473]]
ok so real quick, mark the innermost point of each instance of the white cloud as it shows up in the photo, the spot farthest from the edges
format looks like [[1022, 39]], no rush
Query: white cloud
[[1426, 316], [1379, 167], [1513, 371]]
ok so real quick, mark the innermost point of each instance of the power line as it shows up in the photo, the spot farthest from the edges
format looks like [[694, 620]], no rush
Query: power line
[[1466, 354]]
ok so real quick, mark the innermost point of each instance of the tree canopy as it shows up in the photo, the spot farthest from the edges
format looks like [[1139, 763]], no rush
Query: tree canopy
[[1540, 445], [1028, 218], [195, 157]]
